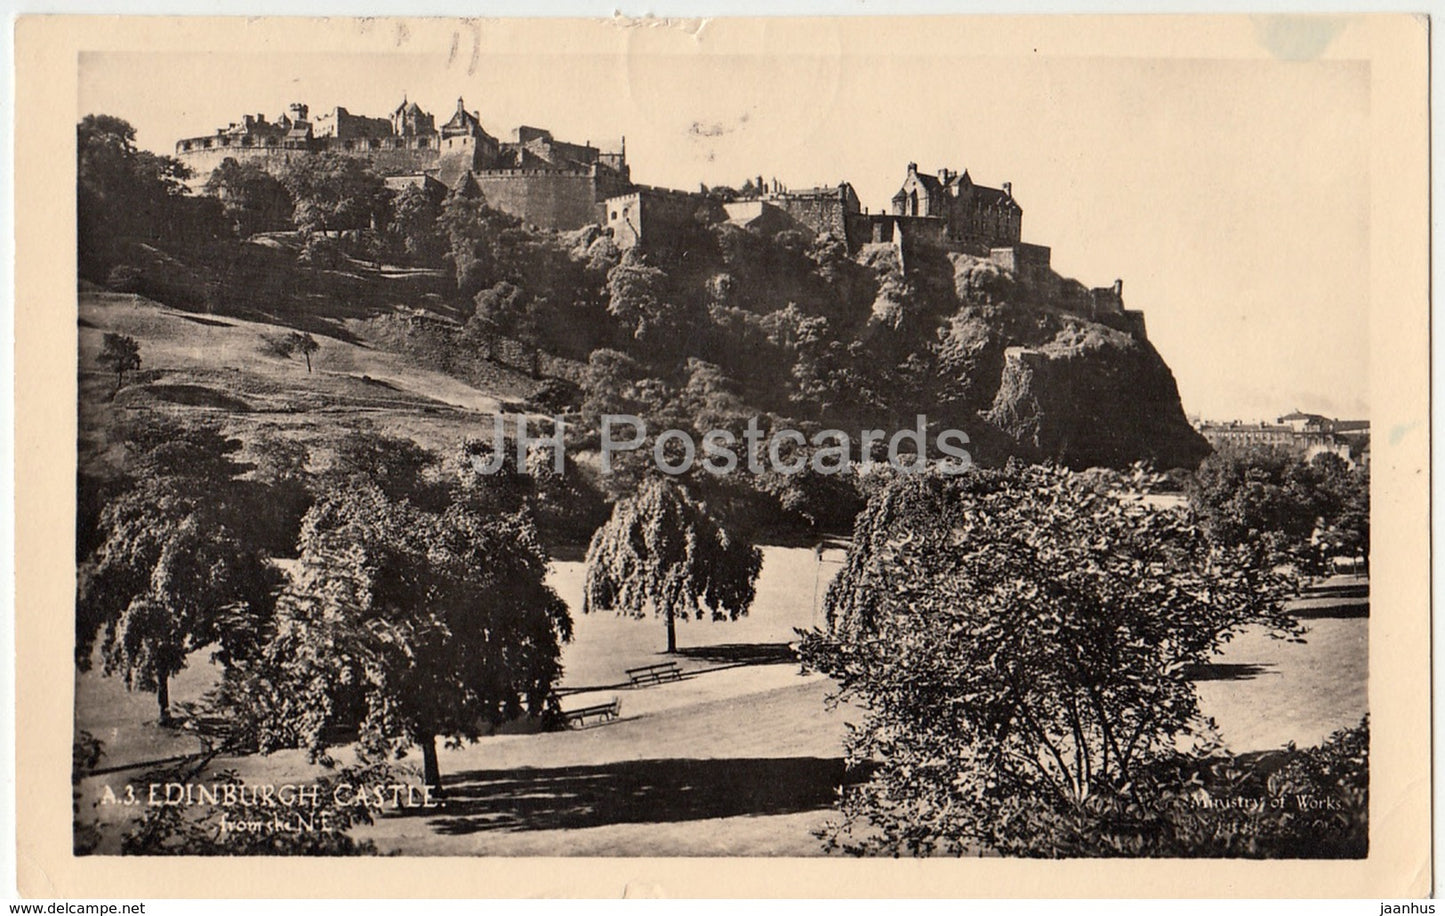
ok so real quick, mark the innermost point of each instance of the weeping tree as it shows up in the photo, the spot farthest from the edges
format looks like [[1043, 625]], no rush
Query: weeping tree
[[661, 550], [410, 625], [174, 570]]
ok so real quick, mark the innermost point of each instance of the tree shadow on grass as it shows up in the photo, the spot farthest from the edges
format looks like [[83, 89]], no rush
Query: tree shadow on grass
[[764, 653], [1346, 610], [1227, 672], [1351, 590], [636, 792]]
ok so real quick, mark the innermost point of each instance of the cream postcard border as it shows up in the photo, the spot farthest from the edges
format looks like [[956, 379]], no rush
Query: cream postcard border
[[1399, 864]]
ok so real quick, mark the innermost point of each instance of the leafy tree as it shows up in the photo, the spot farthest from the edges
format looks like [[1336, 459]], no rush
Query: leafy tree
[[415, 214], [431, 625], [121, 191], [333, 192], [1346, 526], [120, 354], [1267, 499], [171, 575], [477, 237], [639, 301], [394, 464], [279, 493], [1021, 641], [303, 343], [502, 308], [662, 551], [253, 199]]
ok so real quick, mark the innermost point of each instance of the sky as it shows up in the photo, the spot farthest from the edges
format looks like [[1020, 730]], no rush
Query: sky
[[1231, 195]]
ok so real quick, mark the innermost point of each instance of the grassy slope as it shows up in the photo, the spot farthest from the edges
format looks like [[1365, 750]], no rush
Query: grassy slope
[[218, 367]]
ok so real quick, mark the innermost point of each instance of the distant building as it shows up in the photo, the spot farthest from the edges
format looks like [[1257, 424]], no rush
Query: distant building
[[1306, 435]]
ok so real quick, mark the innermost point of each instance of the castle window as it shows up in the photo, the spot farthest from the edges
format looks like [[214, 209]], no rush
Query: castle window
[[614, 214], [421, 143]]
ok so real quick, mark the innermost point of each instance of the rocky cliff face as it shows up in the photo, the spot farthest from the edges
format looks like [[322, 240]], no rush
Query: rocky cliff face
[[1038, 378]]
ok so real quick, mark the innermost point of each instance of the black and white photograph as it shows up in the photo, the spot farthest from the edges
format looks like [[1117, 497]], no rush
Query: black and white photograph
[[757, 439]]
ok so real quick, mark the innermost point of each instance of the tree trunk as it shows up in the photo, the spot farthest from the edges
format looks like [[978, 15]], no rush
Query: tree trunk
[[308, 361], [431, 773], [163, 699], [671, 632]]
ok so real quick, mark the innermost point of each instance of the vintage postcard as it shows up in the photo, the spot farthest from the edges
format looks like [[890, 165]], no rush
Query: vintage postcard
[[774, 457]]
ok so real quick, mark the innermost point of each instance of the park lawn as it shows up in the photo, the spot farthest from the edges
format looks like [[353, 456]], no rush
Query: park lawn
[[741, 757]]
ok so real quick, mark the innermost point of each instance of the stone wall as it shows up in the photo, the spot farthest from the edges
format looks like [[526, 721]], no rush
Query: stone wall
[[551, 200], [824, 215], [657, 218], [385, 161]]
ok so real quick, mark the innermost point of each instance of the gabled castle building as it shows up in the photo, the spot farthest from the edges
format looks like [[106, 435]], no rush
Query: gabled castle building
[[545, 182]]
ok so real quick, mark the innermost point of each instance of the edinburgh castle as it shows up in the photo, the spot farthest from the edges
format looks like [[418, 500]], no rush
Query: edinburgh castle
[[557, 185]]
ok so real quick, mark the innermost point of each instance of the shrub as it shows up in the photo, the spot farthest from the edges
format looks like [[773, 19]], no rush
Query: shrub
[[321, 252], [125, 278]]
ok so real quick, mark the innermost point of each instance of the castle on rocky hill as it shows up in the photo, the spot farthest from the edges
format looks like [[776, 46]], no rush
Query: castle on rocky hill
[[558, 185]]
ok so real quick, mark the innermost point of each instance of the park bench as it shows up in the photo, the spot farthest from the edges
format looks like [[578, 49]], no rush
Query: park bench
[[603, 712], [654, 674]]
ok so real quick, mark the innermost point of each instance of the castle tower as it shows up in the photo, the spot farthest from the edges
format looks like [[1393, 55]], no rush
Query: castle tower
[[408, 120]]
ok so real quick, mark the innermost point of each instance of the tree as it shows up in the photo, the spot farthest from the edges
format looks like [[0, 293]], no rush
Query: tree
[[303, 343], [121, 191], [120, 354], [476, 236], [1022, 641], [428, 625], [334, 192], [171, 574], [1267, 499], [395, 464], [414, 220], [1345, 528], [639, 301], [253, 199], [662, 550]]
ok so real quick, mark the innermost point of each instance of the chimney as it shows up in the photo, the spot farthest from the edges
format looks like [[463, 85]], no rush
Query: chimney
[[1119, 288], [913, 168], [1008, 189]]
